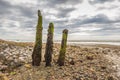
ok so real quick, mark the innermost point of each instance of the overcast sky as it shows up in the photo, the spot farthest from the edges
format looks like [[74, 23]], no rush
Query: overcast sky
[[85, 19]]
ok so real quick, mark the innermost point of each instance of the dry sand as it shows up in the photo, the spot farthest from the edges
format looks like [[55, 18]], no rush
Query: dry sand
[[83, 62]]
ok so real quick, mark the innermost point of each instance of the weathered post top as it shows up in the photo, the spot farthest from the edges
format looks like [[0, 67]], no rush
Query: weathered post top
[[65, 31], [51, 24], [51, 27], [39, 13]]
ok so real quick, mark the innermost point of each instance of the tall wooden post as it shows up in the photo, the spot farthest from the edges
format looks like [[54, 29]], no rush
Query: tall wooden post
[[49, 45], [61, 58], [37, 52]]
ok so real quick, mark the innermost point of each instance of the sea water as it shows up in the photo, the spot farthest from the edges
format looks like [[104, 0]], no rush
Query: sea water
[[93, 43]]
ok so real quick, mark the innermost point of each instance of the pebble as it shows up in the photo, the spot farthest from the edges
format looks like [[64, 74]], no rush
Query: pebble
[[14, 56], [3, 77], [72, 62]]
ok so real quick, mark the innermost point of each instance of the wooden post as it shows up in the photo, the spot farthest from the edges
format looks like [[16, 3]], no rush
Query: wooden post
[[61, 58], [37, 52], [49, 45]]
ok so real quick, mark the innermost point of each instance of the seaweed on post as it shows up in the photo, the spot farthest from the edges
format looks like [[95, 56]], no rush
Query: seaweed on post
[[49, 45], [61, 58], [37, 52]]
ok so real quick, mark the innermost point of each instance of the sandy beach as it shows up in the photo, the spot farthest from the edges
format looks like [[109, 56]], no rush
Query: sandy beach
[[83, 62]]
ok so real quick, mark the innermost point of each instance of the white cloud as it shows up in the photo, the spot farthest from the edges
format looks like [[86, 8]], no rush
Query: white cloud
[[97, 20], [89, 28], [32, 2], [83, 9]]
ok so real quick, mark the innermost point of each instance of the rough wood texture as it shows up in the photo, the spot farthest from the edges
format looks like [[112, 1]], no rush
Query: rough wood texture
[[37, 52], [49, 45], [61, 58]]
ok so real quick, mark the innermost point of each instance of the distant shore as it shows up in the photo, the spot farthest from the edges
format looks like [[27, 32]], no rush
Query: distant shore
[[77, 42]]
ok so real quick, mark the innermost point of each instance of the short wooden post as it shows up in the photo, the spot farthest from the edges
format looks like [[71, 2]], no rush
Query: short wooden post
[[61, 58]]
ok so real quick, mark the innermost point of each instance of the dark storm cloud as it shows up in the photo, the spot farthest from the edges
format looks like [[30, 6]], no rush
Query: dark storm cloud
[[106, 26], [6, 9], [103, 30], [4, 4], [61, 21], [97, 19], [99, 1], [108, 8], [16, 12], [29, 25], [4, 32], [66, 1], [63, 12], [26, 11], [106, 30], [22, 14], [26, 16], [59, 2], [62, 6], [100, 19]]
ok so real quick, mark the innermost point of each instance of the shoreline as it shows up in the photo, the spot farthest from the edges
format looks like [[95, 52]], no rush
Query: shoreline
[[77, 42], [68, 43]]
